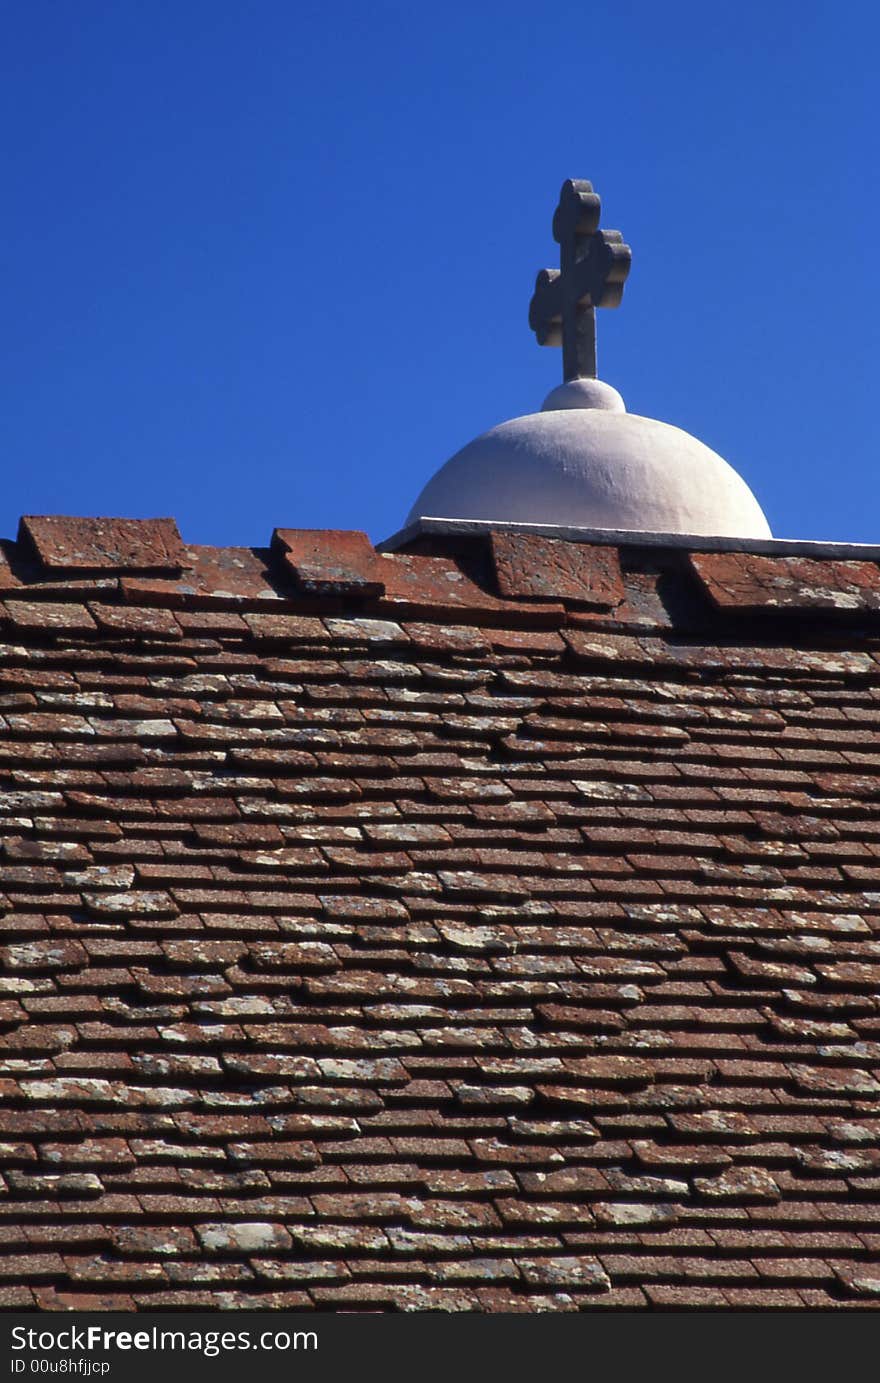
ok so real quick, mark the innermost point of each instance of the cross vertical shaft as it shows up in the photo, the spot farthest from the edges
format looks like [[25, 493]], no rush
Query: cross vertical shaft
[[579, 355]]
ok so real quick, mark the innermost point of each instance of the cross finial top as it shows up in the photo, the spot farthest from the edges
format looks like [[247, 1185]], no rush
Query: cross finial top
[[593, 266]]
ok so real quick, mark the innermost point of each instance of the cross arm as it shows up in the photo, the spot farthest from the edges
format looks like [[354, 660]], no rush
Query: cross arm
[[601, 274], [595, 281], [545, 309]]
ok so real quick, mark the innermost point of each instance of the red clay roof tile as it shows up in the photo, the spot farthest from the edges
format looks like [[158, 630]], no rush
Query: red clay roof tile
[[746, 582], [532, 567], [330, 561], [71, 545]]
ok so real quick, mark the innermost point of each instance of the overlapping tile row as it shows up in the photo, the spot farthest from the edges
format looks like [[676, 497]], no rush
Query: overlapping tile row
[[355, 958]]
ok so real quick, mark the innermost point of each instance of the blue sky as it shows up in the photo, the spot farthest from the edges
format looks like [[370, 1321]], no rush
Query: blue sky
[[269, 264]]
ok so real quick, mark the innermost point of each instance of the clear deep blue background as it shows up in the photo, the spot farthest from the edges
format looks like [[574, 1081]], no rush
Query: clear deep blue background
[[269, 264]]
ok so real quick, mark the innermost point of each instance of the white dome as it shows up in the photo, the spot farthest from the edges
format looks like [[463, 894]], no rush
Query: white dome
[[593, 466]]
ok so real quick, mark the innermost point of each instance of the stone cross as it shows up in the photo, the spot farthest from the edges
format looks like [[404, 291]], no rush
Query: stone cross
[[593, 269]]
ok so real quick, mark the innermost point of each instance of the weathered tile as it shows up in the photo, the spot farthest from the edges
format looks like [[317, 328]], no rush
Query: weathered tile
[[326, 561], [533, 567], [748, 582], [71, 545]]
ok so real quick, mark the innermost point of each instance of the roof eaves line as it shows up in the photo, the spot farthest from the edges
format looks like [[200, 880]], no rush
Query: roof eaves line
[[626, 537]]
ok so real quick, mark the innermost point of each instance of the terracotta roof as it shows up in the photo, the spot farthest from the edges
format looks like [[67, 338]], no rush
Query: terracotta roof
[[491, 925]]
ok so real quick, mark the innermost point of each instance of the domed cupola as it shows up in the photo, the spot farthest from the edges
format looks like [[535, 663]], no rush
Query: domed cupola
[[583, 460]]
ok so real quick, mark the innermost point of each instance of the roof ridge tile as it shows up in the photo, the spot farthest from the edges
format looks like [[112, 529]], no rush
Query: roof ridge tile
[[64, 543]]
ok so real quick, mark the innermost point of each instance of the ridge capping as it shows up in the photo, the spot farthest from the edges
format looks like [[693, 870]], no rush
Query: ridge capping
[[692, 542]]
